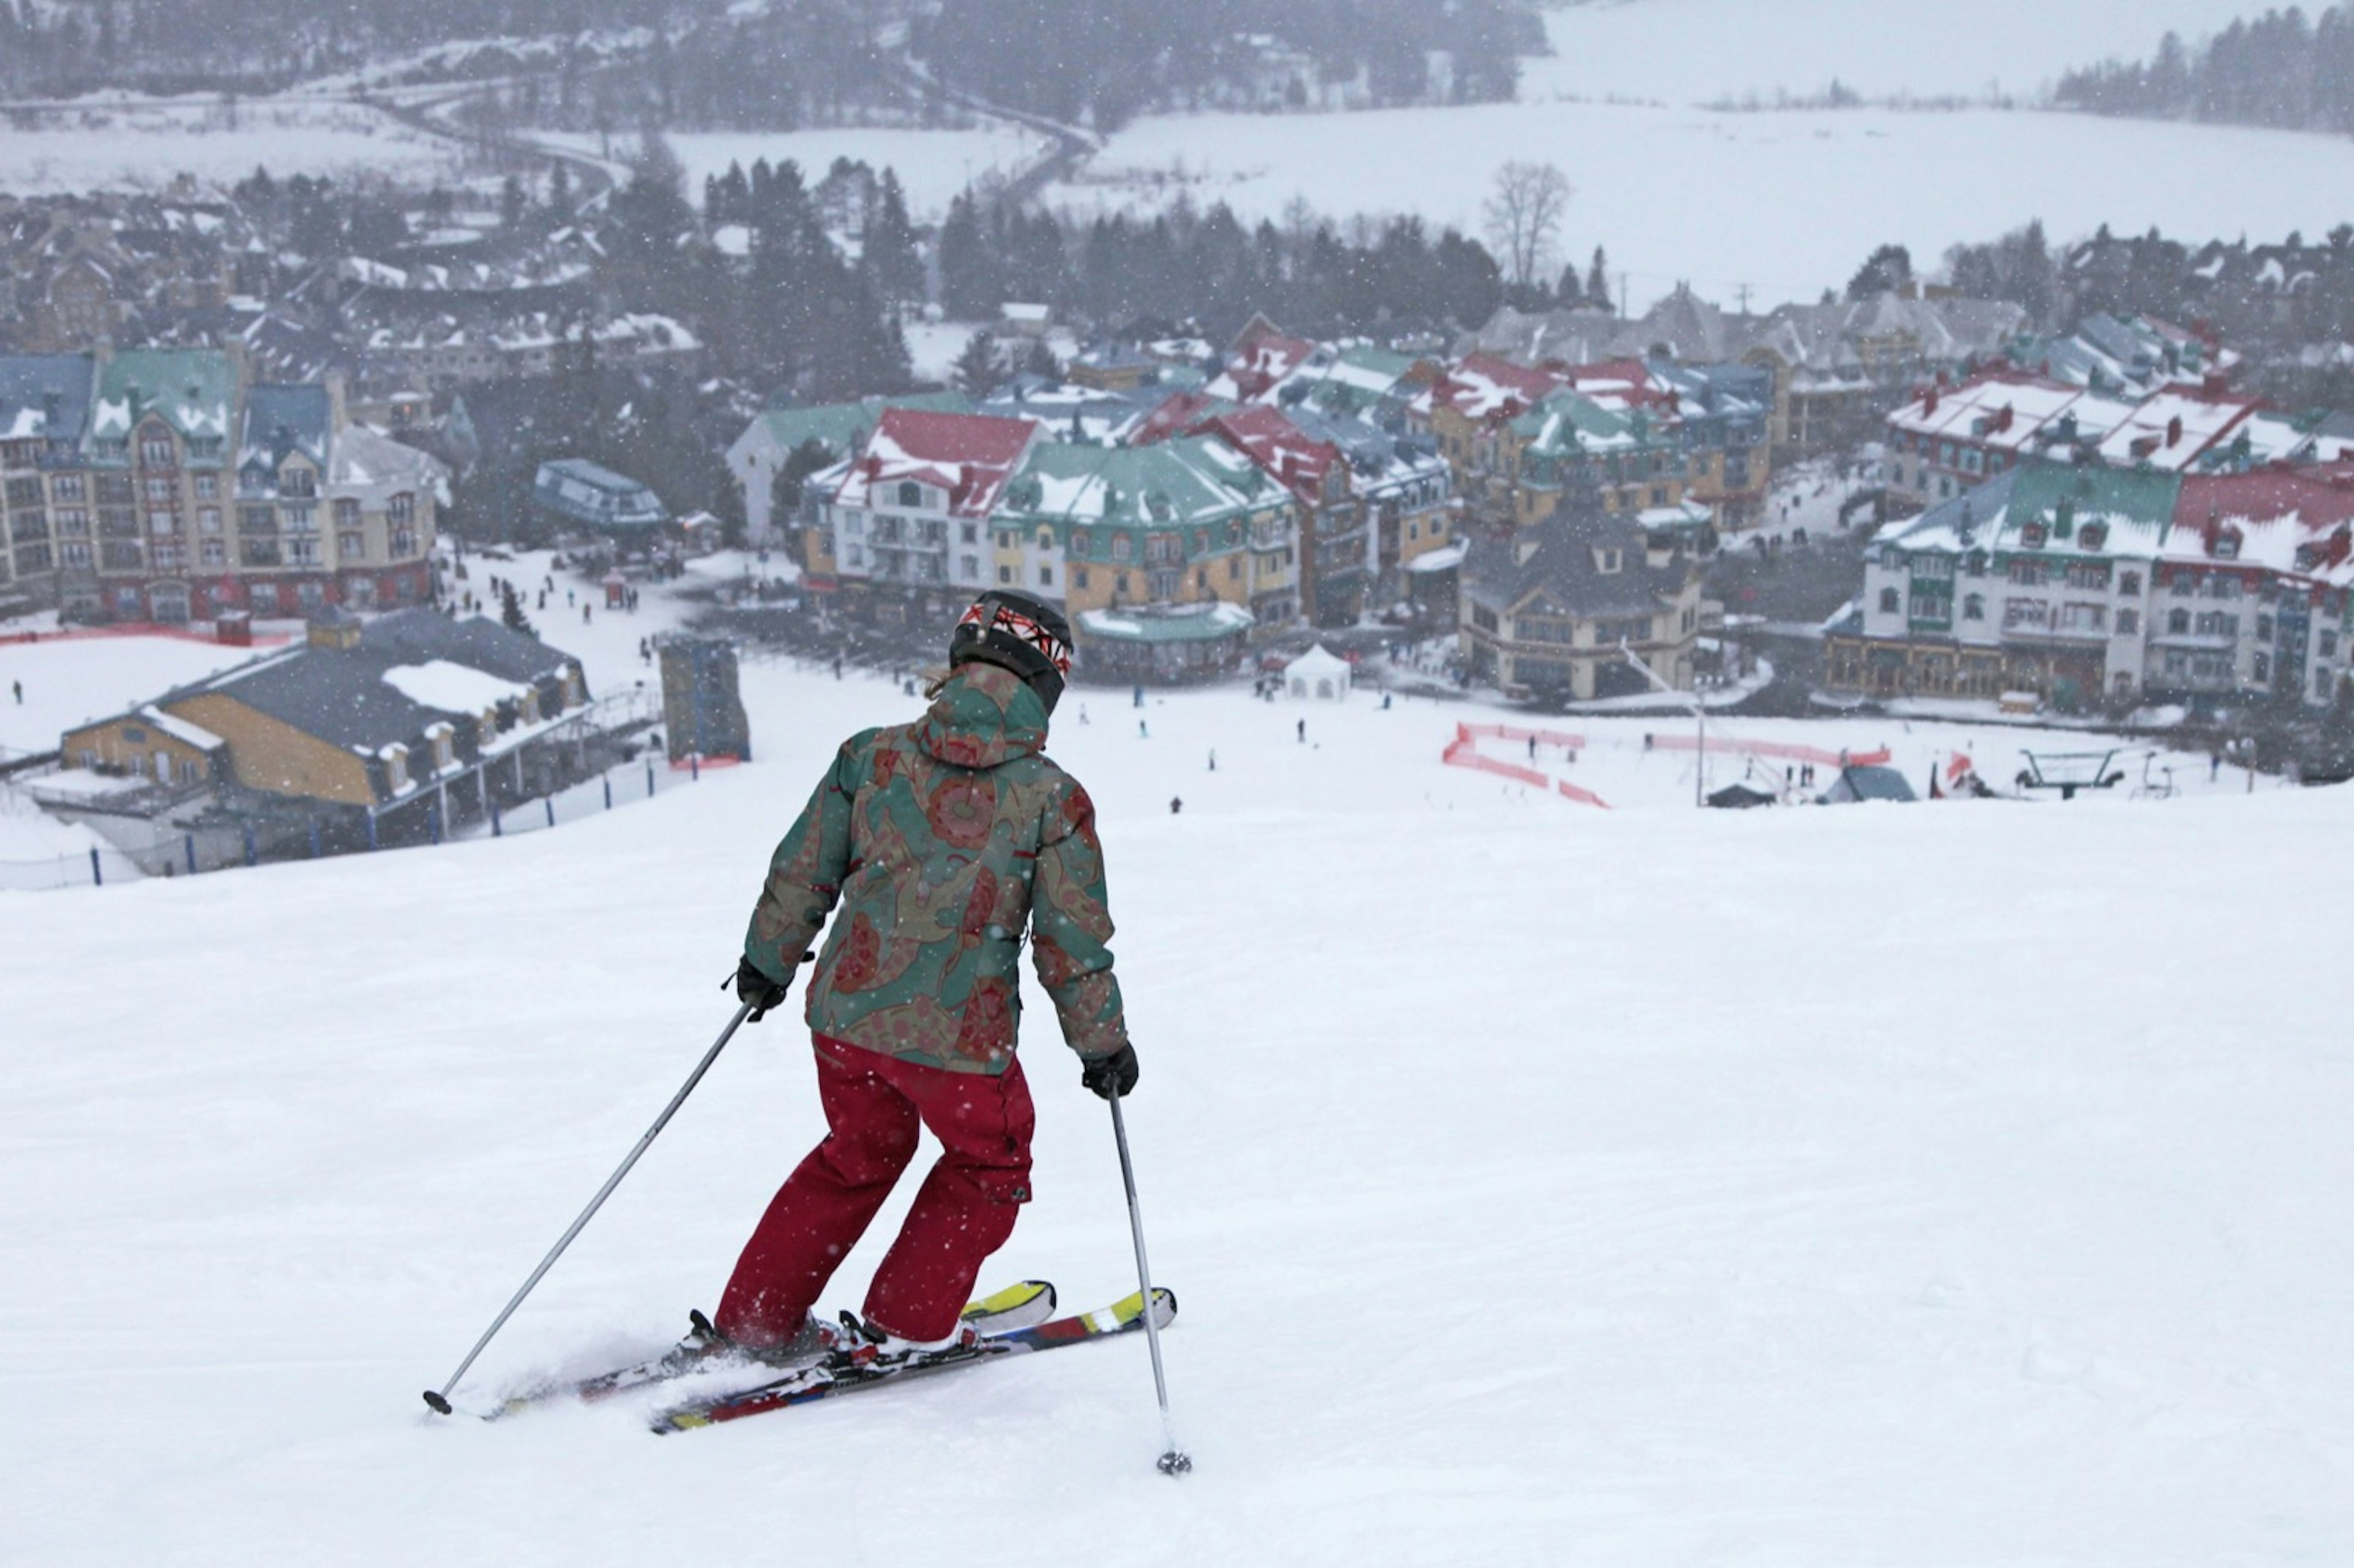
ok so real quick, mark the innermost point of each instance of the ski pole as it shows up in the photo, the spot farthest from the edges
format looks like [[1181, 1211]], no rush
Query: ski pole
[[439, 1398], [1173, 1460]]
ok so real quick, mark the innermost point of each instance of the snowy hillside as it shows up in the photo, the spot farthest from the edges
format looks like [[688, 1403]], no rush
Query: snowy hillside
[[1689, 51], [1541, 1184]]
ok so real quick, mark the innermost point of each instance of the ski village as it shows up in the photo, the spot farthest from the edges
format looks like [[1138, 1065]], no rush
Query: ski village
[[1664, 691]]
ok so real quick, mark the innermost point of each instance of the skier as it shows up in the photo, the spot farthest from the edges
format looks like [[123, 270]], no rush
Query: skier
[[944, 838]]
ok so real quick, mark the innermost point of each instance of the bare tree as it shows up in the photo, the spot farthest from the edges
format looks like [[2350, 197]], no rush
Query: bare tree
[[1523, 214]]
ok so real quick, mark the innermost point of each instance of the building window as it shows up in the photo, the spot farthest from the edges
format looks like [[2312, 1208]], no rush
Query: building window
[[301, 481], [66, 487], [401, 508], [351, 546], [208, 487], [301, 519], [2327, 643], [2128, 622], [1974, 607], [255, 520], [910, 493], [208, 520], [1005, 575], [2178, 623], [212, 552], [1045, 577], [155, 451], [159, 488], [1079, 576], [347, 512], [971, 565], [966, 534], [2264, 668], [1888, 601], [73, 552], [2129, 584], [404, 541]]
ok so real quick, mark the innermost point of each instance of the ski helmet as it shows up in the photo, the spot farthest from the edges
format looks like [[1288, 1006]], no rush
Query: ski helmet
[[1028, 636]]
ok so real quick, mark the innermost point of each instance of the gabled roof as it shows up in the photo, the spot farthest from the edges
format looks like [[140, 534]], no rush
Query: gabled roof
[[282, 421], [1290, 456], [192, 389], [971, 456], [2298, 521], [1562, 570]]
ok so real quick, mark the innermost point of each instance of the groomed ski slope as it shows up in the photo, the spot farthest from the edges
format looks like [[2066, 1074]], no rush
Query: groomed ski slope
[[1943, 1185]]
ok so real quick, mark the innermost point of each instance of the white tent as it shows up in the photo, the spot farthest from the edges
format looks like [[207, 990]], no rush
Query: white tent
[[1318, 676]]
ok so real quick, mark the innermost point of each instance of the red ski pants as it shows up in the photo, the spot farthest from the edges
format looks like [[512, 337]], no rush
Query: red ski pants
[[965, 1211]]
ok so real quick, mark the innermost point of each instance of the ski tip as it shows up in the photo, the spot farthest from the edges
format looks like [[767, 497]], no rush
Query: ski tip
[[434, 1402]]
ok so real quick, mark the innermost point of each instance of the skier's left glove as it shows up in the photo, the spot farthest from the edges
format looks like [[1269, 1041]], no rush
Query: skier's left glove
[[1111, 1078], [758, 991]]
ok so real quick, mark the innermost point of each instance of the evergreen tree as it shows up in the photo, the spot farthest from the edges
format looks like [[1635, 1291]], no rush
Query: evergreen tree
[[889, 252], [976, 368], [1598, 280], [511, 613]]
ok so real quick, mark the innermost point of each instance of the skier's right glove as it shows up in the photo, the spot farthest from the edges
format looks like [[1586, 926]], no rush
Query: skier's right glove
[[1111, 1078], [758, 990]]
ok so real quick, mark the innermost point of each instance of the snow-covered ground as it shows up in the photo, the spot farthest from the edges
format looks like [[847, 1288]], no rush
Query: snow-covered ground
[[147, 144], [1691, 52], [1787, 204], [87, 675], [1541, 1184], [933, 166]]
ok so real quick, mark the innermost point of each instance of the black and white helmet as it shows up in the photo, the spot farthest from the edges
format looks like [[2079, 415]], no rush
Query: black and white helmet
[[1026, 635]]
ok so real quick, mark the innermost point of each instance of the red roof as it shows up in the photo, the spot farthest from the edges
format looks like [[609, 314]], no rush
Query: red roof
[[1487, 386], [1294, 460], [1265, 357], [2319, 499], [1175, 416], [971, 456]]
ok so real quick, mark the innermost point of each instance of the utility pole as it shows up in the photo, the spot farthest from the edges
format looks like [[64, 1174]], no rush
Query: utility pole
[[1741, 293], [1623, 296], [1700, 715]]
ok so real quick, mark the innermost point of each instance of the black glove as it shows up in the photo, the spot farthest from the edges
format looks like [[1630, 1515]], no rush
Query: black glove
[[1111, 1078], [758, 990]]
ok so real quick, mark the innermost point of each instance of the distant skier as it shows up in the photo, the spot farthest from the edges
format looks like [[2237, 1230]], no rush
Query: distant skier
[[944, 839], [1302, 731]]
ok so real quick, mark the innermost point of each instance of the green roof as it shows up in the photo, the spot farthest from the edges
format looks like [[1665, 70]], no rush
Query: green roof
[[1169, 484], [194, 390], [2126, 495], [1569, 423], [840, 426]]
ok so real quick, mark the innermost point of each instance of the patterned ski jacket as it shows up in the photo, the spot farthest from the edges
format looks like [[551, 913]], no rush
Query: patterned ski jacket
[[943, 839]]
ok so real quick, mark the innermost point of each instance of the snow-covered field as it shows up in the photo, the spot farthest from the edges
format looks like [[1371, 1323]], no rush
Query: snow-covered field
[[1689, 51], [933, 166], [1541, 1184], [87, 675], [147, 144], [1788, 203]]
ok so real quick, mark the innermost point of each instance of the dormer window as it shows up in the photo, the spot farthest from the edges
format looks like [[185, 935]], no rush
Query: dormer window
[[2226, 547], [910, 493], [2093, 535], [2032, 534], [1606, 558]]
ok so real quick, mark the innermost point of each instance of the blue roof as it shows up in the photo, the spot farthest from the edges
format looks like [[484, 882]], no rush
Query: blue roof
[[52, 388]]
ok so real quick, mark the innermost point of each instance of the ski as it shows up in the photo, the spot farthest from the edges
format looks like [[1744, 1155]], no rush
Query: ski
[[1015, 1309], [824, 1381]]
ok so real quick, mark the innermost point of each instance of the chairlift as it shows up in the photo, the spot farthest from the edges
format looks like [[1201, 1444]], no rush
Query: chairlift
[[2069, 772]]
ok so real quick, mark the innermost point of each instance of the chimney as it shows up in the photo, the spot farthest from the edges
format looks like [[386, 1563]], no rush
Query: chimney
[[2174, 430], [1929, 402], [337, 387]]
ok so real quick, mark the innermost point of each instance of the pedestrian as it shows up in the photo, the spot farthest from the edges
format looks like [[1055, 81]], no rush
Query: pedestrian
[[1214, 759], [1083, 712], [567, 598], [1532, 748], [911, 1033], [1139, 693], [584, 615], [1142, 733], [837, 666], [1175, 805], [1385, 702], [2214, 765], [1302, 730], [18, 687], [542, 598]]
